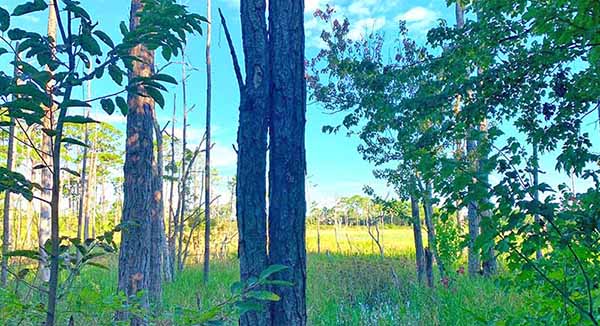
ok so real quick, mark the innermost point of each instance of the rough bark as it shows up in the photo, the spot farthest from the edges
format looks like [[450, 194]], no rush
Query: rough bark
[[207, 200], [418, 235], [429, 267], [139, 196], [252, 150], [287, 158]]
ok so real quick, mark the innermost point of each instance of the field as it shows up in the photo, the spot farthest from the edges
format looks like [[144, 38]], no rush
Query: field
[[352, 287]]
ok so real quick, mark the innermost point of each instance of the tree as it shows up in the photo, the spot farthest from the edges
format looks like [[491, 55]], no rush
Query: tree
[[6, 236], [287, 158], [207, 198], [252, 147]]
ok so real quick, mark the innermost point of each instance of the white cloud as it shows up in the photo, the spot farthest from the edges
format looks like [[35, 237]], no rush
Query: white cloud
[[419, 18], [366, 26], [359, 8], [223, 156]]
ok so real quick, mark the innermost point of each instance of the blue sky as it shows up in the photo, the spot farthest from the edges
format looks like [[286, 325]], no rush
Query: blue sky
[[335, 168]]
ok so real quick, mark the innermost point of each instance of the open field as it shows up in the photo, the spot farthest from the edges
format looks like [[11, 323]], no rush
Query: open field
[[354, 287]]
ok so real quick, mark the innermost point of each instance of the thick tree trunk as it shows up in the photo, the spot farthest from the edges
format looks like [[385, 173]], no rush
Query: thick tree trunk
[[418, 235], [139, 197], [252, 144], [207, 199], [287, 159]]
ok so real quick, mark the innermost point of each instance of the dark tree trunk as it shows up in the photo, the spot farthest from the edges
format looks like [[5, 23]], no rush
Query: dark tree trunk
[[139, 197], [431, 234], [418, 234], [287, 158], [429, 267], [536, 183], [252, 142]]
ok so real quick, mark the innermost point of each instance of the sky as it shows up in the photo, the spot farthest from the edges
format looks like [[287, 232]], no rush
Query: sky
[[335, 169]]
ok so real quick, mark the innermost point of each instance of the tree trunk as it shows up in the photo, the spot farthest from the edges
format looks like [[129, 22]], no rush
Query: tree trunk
[[46, 172], [536, 183], [139, 196], [207, 199], [252, 144], [183, 182], [158, 242], [431, 236], [83, 200], [172, 229], [6, 238], [287, 159], [490, 265], [474, 256], [429, 267], [418, 234]]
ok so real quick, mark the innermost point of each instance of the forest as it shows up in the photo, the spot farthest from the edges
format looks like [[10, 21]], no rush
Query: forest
[[300, 162]]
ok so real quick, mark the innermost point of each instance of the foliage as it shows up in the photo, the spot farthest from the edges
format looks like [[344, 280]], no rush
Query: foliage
[[530, 67]]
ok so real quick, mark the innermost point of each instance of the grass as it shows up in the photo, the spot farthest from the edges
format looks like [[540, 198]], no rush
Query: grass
[[351, 285]]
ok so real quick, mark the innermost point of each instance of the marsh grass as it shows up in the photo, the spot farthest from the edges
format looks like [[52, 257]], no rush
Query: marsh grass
[[351, 285]]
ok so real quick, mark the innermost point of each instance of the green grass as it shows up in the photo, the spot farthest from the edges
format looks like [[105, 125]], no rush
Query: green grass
[[352, 286]]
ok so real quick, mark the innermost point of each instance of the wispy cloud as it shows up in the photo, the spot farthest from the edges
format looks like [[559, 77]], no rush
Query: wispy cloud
[[419, 18]]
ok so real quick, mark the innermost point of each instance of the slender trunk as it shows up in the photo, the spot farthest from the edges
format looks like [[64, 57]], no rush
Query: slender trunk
[[418, 235], [46, 172], [287, 159], [183, 182], [319, 234], [429, 267], [6, 238], [252, 142], [172, 215], [490, 264], [139, 196], [431, 235], [83, 200], [158, 242], [536, 183], [208, 145]]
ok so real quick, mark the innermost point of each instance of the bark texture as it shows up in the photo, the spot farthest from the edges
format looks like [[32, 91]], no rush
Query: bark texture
[[287, 159], [139, 189], [252, 142], [418, 235]]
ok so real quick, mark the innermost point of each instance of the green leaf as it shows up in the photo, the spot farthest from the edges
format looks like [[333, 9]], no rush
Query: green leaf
[[29, 7], [122, 104], [90, 45], [123, 28], [75, 104], [32, 254], [72, 172], [4, 20], [3, 51], [79, 119], [263, 295], [105, 38], [73, 141], [156, 95], [165, 78], [272, 270], [108, 106], [97, 265], [116, 74]]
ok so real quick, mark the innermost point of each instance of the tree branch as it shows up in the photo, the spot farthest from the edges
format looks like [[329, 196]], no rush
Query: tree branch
[[236, 64]]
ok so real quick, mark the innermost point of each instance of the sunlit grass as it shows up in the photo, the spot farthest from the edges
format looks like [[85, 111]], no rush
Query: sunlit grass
[[351, 285]]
